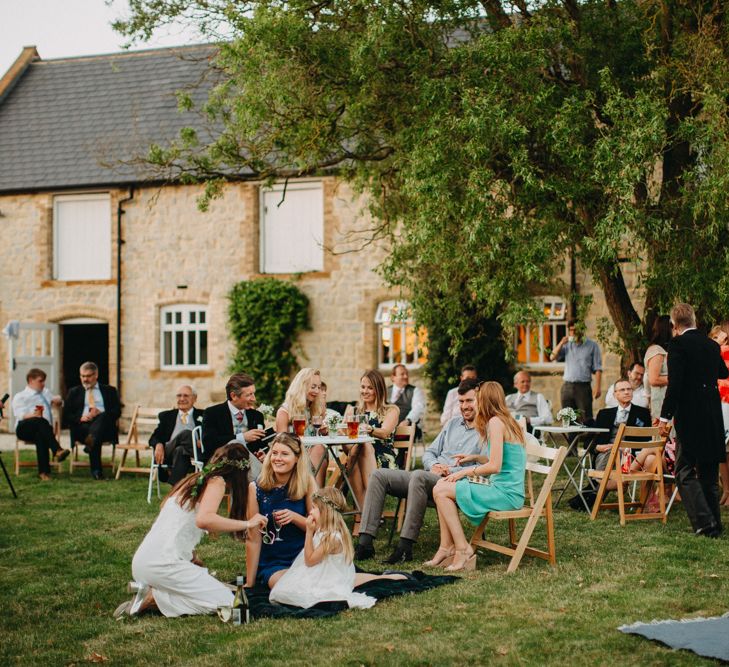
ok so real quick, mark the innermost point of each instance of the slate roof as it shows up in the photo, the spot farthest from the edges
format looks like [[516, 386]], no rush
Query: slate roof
[[66, 123]]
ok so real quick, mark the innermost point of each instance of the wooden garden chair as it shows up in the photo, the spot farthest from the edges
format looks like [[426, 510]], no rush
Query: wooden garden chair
[[148, 419], [404, 441], [632, 437], [77, 448], [540, 508]]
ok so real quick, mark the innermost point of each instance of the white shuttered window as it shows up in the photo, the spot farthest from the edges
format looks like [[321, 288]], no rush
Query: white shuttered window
[[82, 237], [292, 228]]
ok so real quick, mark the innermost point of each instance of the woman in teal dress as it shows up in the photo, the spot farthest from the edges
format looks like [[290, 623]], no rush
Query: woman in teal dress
[[502, 468]]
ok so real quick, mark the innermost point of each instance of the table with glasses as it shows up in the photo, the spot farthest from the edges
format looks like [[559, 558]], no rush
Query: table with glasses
[[331, 442], [572, 436]]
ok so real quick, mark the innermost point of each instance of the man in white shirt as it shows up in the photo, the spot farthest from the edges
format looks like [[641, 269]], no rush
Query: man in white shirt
[[635, 377], [527, 403], [32, 410], [410, 400], [450, 407]]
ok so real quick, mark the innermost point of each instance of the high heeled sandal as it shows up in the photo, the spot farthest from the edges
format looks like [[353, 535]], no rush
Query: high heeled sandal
[[469, 565], [445, 559]]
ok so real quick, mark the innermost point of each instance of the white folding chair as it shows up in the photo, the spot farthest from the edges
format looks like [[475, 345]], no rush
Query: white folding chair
[[196, 461]]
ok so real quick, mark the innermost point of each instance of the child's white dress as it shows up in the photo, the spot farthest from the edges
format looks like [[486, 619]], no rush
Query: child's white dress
[[330, 580]]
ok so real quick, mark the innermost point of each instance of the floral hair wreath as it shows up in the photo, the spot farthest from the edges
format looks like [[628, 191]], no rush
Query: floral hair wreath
[[241, 464], [327, 501]]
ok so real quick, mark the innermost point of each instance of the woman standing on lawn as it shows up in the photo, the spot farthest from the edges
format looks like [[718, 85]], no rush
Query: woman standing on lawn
[[505, 465], [164, 565], [282, 494]]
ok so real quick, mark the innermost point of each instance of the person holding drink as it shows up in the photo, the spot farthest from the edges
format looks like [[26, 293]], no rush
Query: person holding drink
[[379, 421], [302, 406], [282, 494]]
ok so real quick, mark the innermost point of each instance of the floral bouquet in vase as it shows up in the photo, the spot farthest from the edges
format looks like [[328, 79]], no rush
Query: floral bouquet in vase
[[567, 416], [333, 422]]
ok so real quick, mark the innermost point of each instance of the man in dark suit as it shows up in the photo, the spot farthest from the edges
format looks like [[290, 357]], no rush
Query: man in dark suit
[[172, 439], [692, 401], [235, 419], [91, 411], [625, 412]]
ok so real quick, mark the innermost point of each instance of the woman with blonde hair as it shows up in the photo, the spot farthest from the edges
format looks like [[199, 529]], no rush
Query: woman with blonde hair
[[304, 398], [282, 494], [324, 571], [380, 423], [164, 567], [495, 483]]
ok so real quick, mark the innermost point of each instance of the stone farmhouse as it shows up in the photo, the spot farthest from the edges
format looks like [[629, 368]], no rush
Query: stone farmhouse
[[103, 262]]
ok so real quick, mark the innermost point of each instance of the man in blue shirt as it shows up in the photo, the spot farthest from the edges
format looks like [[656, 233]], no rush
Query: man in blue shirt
[[458, 437], [582, 360]]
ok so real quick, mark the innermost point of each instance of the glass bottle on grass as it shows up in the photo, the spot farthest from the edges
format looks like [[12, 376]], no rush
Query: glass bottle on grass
[[241, 608]]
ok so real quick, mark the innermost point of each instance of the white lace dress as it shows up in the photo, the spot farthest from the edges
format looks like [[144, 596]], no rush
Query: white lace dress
[[163, 561], [328, 581]]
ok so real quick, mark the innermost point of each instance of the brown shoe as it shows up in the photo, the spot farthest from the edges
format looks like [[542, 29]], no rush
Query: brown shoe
[[61, 455], [44, 477]]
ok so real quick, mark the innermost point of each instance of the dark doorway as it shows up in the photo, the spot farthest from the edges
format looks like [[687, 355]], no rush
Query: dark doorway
[[83, 342]]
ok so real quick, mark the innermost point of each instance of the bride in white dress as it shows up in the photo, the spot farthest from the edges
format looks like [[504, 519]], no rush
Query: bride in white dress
[[324, 571], [163, 566]]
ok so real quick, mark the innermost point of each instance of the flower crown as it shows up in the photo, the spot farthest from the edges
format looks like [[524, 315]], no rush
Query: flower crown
[[241, 464], [327, 501]]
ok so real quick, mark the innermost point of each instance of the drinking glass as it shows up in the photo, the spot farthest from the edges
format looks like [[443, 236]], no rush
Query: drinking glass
[[277, 526], [316, 423], [299, 425], [225, 612], [353, 426]]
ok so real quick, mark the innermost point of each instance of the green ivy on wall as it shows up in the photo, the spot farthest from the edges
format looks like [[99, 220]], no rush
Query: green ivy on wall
[[265, 317]]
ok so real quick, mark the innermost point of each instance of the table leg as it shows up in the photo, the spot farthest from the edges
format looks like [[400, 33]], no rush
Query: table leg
[[344, 472]]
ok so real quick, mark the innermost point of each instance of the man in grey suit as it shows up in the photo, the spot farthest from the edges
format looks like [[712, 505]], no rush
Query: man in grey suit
[[458, 437]]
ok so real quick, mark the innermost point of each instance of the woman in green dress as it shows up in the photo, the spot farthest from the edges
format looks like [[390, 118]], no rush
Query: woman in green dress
[[496, 483]]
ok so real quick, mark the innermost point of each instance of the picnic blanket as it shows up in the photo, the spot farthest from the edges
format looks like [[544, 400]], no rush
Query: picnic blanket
[[708, 637], [380, 589]]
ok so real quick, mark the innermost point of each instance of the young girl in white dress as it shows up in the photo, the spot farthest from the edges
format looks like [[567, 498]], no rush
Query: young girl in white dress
[[164, 567], [324, 571]]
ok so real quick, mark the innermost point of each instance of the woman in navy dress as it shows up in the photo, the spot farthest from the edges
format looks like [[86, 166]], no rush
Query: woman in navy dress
[[282, 493]]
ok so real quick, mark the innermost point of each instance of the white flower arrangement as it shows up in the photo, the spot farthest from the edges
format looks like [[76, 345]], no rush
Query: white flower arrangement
[[567, 415], [266, 410], [333, 422]]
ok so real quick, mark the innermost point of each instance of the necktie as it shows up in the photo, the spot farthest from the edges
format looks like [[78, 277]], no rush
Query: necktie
[[183, 417], [622, 416], [90, 398], [239, 425]]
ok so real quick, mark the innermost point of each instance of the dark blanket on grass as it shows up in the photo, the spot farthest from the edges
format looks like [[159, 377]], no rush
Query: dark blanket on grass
[[380, 589], [708, 637]]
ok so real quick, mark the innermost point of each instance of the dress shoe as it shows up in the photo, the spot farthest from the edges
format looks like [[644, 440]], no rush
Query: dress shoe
[[400, 555], [61, 455], [44, 477], [712, 530], [364, 552], [97, 475]]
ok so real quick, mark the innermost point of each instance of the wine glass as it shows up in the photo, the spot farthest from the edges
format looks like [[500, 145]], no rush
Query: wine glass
[[316, 423], [277, 526]]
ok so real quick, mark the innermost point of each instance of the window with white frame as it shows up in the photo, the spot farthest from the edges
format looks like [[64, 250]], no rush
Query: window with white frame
[[82, 237], [534, 342], [399, 341], [292, 228], [183, 337]]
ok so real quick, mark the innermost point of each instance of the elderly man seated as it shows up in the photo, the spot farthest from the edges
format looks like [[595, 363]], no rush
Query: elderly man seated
[[527, 403], [172, 439], [458, 437]]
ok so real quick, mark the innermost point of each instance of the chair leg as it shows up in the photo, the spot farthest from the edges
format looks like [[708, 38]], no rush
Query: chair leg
[[152, 475], [394, 521]]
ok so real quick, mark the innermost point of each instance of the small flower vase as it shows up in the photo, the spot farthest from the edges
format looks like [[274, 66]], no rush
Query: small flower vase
[[565, 422]]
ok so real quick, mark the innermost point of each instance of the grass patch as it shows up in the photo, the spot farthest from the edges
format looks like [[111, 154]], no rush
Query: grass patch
[[65, 557]]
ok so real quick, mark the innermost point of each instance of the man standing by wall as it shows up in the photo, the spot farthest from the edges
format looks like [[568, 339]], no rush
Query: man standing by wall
[[582, 360], [692, 401]]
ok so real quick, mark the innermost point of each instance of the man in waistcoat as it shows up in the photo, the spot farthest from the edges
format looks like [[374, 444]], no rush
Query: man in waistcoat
[[172, 439], [410, 400], [530, 405]]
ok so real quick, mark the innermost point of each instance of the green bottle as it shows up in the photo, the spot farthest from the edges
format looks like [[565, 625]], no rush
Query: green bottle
[[241, 608]]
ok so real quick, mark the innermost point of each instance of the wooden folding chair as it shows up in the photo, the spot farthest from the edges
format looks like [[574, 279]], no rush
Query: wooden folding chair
[[148, 419], [77, 448], [647, 438], [404, 440], [33, 464], [541, 507]]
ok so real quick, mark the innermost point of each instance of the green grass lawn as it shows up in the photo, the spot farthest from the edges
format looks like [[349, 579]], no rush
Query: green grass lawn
[[65, 558]]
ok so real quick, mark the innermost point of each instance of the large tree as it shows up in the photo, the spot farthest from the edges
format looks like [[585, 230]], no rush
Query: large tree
[[496, 140]]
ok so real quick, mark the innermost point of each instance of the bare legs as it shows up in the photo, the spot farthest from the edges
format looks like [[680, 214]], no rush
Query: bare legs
[[451, 530], [362, 578], [318, 458]]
